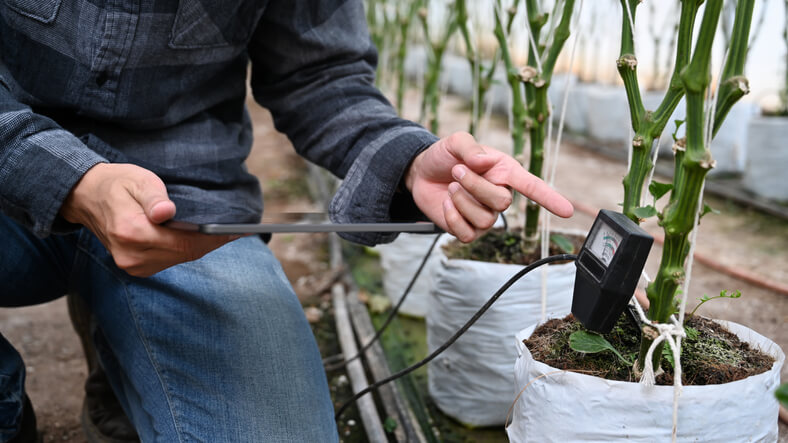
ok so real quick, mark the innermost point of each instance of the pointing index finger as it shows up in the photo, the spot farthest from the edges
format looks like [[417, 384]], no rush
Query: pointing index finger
[[537, 190]]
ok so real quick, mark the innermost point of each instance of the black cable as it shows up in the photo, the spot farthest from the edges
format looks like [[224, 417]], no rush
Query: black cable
[[505, 222], [391, 315], [465, 327]]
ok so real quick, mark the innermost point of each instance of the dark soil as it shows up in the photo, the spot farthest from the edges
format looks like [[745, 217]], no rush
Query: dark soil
[[709, 355], [502, 246]]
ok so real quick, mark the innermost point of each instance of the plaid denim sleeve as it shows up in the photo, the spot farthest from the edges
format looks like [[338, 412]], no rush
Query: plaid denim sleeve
[[39, 164], [313, 67]]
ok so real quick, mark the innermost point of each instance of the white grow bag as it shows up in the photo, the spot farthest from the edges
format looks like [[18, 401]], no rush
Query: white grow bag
[[400, 260], [567, 406], [472, 380]]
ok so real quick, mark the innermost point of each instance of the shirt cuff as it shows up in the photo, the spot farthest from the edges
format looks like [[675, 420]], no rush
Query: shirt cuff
[[37, 176], [371, 192]]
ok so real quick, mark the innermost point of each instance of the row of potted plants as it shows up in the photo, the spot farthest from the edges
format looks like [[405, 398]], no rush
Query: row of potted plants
[[744, 146], [473, 380]]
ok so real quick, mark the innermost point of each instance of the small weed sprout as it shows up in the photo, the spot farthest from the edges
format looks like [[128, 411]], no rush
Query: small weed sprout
[[723, 294]]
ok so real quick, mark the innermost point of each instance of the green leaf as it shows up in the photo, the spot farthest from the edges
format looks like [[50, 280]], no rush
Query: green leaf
[[590, 343], [692, 333], [667, 354], [735, 294], [676, 132], [782, 394], [658, 189], [707, 209], [563, 243], [389, 425], [644, 212]]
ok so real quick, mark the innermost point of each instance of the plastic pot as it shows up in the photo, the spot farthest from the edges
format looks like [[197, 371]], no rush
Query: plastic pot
[[567, 406]]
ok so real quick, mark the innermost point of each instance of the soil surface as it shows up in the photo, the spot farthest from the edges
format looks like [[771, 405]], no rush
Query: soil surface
[[501, 246], [709, 355], [738, 237]]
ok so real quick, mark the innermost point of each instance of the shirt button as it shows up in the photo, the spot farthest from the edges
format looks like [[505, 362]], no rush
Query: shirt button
[[101, 78]]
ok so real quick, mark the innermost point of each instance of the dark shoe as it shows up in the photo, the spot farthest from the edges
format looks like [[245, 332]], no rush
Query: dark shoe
[[28, 432], [103, 419]]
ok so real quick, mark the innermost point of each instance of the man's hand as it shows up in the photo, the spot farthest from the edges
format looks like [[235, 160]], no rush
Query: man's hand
[[124, 205], [462, 186]]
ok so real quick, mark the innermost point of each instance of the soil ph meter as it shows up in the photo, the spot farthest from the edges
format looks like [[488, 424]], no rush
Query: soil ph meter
[[608, 269]]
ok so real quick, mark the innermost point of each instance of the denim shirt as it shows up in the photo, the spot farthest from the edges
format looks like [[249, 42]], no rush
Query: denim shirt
[[161, 84]]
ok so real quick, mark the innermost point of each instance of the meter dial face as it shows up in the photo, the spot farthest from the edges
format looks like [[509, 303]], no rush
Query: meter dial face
[[604, 243]]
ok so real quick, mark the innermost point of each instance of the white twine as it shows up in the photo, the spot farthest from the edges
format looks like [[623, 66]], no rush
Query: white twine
[[653, 166], [476, 74], [673, 332], [712, 105], [485, 123], [565, 98], [631, 26], [534, 47], [551, 31], [554, 149], [630, 148]]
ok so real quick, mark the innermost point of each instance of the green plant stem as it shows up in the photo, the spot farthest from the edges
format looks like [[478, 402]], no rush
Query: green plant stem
[[539, 113], [535, 115], [404, 21], [434, 66], [648, 125], [484, 77], [733, 86], [678, 217], [538, 104], [378, 33], [519, 112], [561, 34]]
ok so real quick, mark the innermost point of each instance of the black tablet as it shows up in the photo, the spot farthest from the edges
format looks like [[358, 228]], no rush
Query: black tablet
[[300, 222]]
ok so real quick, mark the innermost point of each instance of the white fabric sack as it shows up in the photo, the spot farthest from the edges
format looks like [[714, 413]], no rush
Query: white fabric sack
[[472, 380], [400, 259], [566, 406]]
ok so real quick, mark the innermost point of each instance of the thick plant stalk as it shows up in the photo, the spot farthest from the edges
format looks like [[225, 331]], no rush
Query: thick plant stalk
[[377, 31], [648, 125], [538, 105], [734, 85], [436, 50], [403, 21], [482, 74], [519, 112], [693, 162], [534, 115]]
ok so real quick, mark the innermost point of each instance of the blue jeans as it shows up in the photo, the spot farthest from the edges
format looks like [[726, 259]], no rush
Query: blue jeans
[[213, 350]]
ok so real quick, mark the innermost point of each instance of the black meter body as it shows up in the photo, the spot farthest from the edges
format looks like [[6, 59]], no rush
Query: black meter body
[[608, 269]]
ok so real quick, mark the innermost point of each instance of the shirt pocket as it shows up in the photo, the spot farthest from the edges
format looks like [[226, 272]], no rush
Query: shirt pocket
[[210, 24], [44, 11]]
